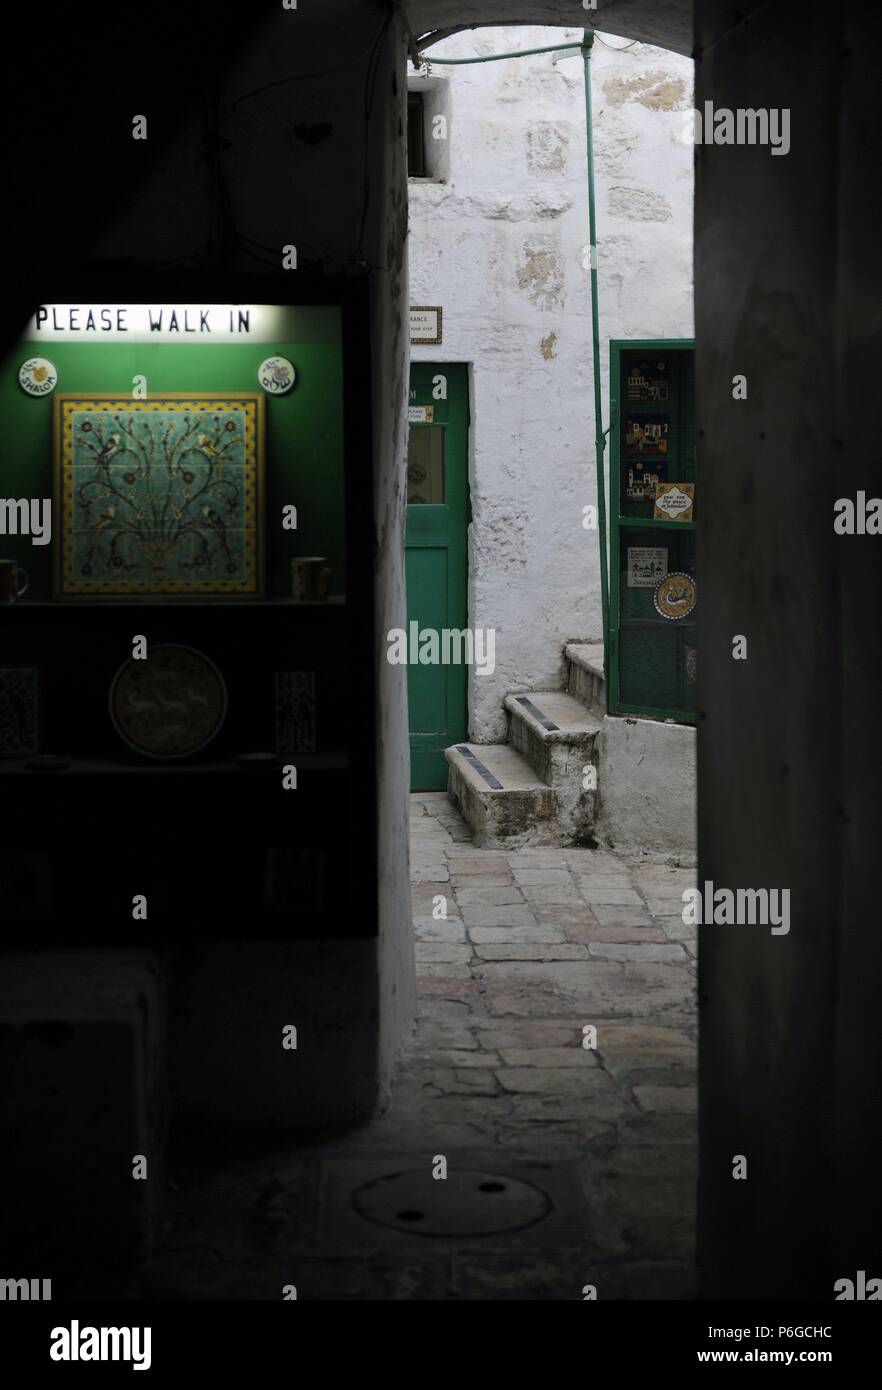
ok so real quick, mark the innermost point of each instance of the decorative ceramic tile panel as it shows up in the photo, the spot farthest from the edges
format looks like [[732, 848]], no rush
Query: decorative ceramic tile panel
[[160, 496]]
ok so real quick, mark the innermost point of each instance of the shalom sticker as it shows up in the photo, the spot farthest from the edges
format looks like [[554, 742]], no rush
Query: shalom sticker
[[675, 595], [276, 375], [37, 376]]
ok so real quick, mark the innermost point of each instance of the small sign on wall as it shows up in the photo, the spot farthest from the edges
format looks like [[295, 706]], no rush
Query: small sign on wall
[[420, 414], [426, 324]]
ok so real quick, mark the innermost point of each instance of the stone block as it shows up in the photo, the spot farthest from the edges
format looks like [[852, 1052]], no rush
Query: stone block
[[668, 951], [503, 936], [537, 951]]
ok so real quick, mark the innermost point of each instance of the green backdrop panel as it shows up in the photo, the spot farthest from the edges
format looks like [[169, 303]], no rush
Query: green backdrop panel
[[304, 433]]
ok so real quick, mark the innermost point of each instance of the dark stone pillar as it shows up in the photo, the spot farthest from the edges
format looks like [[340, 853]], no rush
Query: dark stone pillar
[[787, 294]]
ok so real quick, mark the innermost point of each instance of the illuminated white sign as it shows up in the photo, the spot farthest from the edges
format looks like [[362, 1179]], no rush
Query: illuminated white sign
[[164, 323]]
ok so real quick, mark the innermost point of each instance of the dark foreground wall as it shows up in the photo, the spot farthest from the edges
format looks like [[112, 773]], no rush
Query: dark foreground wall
[[267, 127], [787, 293]]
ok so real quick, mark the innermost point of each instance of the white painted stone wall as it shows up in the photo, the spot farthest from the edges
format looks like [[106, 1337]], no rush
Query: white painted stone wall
[[500, 244]]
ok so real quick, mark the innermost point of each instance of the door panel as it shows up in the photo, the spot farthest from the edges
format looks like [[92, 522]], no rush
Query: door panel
[[436, 562]]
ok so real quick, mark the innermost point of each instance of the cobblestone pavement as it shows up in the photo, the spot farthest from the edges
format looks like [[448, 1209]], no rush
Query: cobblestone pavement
[[536, 946]]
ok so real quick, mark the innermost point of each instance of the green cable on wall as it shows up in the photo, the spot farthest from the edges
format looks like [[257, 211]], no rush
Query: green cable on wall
[[585, 46]]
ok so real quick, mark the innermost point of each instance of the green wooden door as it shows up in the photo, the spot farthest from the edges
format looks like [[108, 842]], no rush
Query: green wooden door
[[436, 561]]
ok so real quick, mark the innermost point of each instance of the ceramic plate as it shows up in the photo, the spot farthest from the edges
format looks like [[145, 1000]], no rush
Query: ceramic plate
[[170, 705]]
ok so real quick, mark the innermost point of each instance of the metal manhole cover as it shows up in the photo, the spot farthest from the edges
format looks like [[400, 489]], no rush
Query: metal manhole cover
[[465, 1203]]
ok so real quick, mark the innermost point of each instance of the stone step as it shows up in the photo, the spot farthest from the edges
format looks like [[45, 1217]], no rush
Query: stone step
[[585, 677], [501, 797], [557, 734]]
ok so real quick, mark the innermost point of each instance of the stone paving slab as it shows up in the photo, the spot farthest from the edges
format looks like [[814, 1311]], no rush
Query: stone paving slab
[[535, 877], [564, 914], [457, 1058], [563, 894], [471, 860], [589, 1083], [491, 879], [619, 914], [445, 988], [536, 951], [529, 1033], [492, 894], [446, 969], [516, 935], [601, 878], [439, 929], [618, 934], [577, 1056], [447, 951], [637, 950], [593, 893], [482, 915], [674, 1099], [590, 989]]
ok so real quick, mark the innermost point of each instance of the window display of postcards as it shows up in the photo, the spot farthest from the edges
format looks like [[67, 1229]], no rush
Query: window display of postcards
[[647, 434], [647, 382]]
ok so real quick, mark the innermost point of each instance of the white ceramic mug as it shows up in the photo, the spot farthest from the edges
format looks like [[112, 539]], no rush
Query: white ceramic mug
[[310, 579]]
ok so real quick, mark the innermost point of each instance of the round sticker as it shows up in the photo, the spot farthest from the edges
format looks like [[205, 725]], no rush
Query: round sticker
[[675, 595], [276, 375], [37, 376]]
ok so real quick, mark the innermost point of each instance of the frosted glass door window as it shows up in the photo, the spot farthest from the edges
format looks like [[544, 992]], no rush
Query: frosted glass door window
[[425, 465]]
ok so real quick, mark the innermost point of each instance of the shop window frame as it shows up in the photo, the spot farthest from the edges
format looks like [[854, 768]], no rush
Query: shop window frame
[[619, 524]]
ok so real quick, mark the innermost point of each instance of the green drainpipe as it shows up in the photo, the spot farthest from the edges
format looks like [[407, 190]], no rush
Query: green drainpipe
[[497, 57], [585, 47], [599, 436]]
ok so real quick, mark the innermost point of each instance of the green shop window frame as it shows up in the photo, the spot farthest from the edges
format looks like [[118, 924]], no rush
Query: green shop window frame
[[650, 671]]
